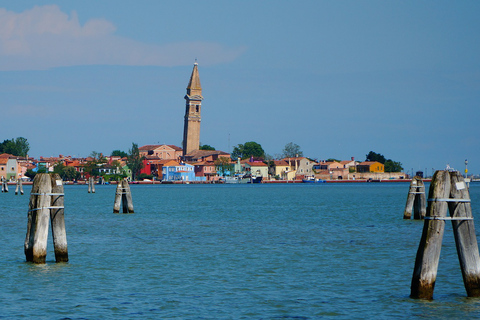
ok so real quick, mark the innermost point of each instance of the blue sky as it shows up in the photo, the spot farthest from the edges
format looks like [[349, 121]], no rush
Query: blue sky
[[338, 78]]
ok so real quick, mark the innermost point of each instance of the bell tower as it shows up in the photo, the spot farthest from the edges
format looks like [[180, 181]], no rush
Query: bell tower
[[193, 108]]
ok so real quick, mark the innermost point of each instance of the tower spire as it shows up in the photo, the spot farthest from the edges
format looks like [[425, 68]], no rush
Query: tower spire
[[193, 98], [194, 87]]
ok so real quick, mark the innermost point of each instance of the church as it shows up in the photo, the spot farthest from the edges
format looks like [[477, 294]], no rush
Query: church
[[158, 155]]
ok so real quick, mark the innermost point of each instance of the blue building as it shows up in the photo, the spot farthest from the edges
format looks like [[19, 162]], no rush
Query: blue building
[[174, 171]]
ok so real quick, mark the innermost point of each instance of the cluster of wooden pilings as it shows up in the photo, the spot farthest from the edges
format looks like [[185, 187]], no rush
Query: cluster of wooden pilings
[[4, 185], [19, 187], [448, 191], [123, 196], [416, 200], [46, 203], [91, 185]]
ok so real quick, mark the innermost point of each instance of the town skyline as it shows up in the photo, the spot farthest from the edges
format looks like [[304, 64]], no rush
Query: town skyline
[[338, 79]]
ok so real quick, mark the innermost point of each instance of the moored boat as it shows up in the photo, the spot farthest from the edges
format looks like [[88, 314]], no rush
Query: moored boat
[[312, 179]]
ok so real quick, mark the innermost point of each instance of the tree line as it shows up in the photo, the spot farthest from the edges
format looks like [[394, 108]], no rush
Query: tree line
[[18, 147]]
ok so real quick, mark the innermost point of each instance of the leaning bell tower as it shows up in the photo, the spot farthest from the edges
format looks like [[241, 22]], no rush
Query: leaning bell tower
[[193, 108]]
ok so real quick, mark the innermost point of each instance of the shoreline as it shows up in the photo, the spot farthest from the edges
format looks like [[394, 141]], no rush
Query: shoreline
[[216, 182]]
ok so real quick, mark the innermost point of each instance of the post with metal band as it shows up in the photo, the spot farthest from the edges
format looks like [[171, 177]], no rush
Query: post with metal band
[[38, 214], [416, 200], [44, 204], [57, 219], [447, 190], [465, 238]]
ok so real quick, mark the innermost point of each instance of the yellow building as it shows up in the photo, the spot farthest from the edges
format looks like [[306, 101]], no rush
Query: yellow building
[[283, 170], [371, 166]]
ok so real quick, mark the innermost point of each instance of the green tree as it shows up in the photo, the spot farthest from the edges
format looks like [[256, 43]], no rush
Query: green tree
[[393, 166], [206, 147], [17, 147], [9, 146], [119, 153], [373, 156], [223, 165], [71, 174], [92, 166], [134, 160], [247, 150], [66, 173], [292, 150], [23, 146], [59, 168], [30, 173]]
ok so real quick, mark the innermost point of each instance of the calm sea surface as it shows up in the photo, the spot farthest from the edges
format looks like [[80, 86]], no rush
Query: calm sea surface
[[332, 251]]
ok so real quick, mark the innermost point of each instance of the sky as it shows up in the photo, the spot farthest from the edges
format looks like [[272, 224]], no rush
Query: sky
[[337, 78]]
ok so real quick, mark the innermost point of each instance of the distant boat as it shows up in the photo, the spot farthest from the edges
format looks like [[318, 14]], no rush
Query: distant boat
[[236, 179], [252, 178], [312, 179], [256, 179]]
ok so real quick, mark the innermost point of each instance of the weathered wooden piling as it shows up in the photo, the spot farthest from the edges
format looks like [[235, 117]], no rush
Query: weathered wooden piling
[[91, 185], [447, 191], [464, 231], [4, 185], [416, 200], [46, 201], [118, 198], [38, 216], [123, 196], [19, 187], [57, 219]]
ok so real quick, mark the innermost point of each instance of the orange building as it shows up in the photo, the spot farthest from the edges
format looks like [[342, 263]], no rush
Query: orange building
[[370, 166]]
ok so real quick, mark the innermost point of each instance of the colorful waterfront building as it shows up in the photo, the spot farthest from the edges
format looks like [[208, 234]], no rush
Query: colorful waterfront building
[[370, 166], [174, 171]]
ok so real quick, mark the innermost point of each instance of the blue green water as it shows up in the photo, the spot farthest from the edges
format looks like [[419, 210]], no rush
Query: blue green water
[[303, 251]]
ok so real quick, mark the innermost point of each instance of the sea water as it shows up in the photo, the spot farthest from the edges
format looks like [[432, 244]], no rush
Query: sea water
[[283, 251]]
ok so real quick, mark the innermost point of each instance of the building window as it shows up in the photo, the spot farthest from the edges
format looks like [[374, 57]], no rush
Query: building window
[[197, 108]]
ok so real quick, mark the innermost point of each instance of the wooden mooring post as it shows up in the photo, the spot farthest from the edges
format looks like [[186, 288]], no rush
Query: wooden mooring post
[[416, 200], [123, 197], [447, 191], [4, 185], [46, 201], [91, 185], [19, 187]]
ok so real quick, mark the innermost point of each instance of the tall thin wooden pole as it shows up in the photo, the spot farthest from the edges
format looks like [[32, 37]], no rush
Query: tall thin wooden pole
[[118, 198], [38, 216], [58, 219], [127, 197], [407, 213], [420, 202], [428, 254], [464, 231]]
